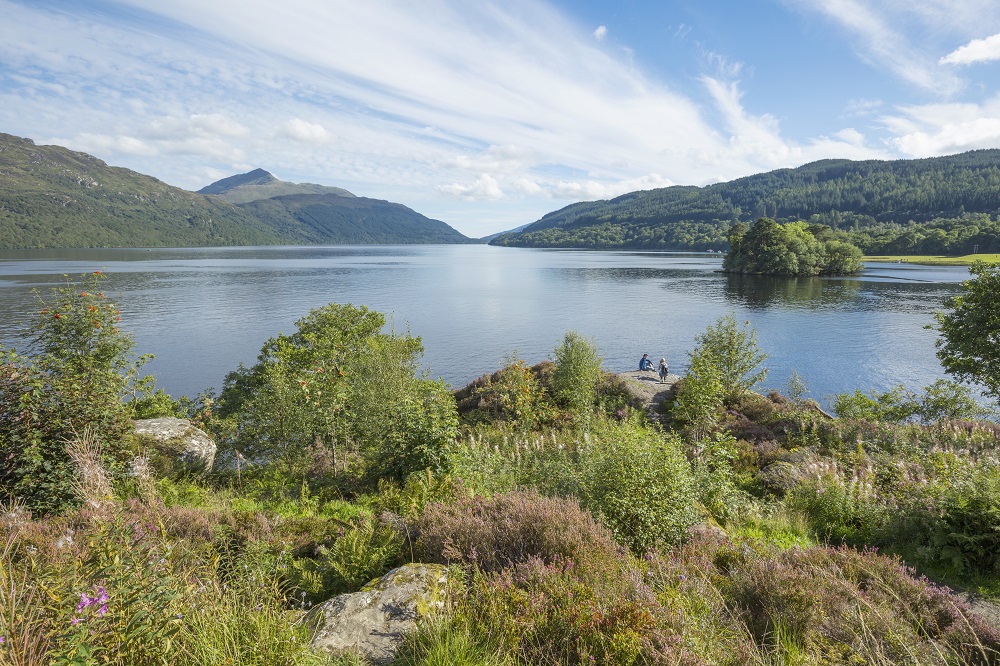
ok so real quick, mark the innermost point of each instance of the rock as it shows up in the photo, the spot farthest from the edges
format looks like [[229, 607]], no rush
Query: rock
[[179, 443], [790, 470], [372, 622]]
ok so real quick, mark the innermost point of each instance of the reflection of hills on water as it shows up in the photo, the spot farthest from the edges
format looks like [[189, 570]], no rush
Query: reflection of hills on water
[[813, 293]]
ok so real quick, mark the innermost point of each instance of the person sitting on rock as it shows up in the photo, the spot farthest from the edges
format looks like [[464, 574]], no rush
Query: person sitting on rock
[[645, 363], [662, 370]]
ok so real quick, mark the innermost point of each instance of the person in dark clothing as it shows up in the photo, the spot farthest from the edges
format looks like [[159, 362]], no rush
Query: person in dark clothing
[[645, 363]]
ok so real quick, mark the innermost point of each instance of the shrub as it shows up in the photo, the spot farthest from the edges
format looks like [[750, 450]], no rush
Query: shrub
[[733, 350], [337, 380], [359, 554], [493, 533], [544, 614], [83, 375], [514, 395], [699, 397], [942, 400], [961, 530], [837, 604], [578, 369], [842, 511], [640, 484]]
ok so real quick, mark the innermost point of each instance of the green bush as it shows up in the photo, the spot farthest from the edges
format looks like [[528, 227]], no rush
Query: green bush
[[962, 530], [82, 375], [943, 400], [513, 396], [640, 484], [578, 370], [699, 397], [360, 553], [338, 382], [733, 350]]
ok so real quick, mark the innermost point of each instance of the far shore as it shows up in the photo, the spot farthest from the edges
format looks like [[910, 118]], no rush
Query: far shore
[[932, 260]]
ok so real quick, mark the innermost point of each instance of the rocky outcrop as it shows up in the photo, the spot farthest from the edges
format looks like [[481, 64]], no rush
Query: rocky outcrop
[[179, 445], [372, 622]]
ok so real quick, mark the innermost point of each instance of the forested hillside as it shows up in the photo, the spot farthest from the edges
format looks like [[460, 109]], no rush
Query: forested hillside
[[877, 200], [318, 218], [54, 197]]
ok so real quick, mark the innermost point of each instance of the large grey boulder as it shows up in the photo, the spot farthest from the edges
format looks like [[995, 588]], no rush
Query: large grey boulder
[[180, 445], [372, 622]]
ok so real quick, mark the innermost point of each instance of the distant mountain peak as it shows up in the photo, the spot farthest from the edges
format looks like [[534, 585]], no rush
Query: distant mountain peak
[[255, 177], [260, 184]]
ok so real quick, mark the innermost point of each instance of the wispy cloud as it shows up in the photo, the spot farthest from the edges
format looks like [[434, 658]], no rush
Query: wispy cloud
[[883, 36], [601, 33]]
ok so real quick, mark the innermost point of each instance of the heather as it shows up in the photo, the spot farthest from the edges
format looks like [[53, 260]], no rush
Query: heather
[[724, 526]]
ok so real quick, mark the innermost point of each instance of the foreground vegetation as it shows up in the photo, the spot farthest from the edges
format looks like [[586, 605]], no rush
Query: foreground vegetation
[[723, 527]]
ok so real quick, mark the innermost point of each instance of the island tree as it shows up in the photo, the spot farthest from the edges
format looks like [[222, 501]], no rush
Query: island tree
[[793, 249]]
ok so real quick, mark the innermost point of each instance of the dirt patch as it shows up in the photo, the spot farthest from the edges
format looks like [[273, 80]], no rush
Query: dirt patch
[[647, 387]]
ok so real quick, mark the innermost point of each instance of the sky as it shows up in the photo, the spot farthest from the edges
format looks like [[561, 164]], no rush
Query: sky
[[487, 115]]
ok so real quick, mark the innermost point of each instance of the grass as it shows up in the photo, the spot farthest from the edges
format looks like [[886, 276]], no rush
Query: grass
[[931, 260]]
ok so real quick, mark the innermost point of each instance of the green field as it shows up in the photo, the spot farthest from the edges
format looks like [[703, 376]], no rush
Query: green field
[[936, 260]]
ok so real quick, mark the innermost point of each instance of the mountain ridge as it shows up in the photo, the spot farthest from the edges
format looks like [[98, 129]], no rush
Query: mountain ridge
[[845, 194], [51, 196]]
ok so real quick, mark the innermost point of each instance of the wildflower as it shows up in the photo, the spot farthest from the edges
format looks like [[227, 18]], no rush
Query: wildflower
[[75, 621], [83, 294], [102, 611], [55, 316]]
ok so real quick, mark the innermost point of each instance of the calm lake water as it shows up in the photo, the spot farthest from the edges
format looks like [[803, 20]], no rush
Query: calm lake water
[[203, 311]]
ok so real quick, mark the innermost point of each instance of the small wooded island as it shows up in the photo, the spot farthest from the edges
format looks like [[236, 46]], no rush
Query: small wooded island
[[792, 249]]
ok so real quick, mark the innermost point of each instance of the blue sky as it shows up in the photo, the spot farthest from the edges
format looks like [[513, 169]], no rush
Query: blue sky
[[488, 115]]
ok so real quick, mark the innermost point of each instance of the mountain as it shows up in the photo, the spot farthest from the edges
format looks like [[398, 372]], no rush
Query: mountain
[[853, 196], [317, 214], [487, 239], [51, 196], [349, 220], [260, 184]]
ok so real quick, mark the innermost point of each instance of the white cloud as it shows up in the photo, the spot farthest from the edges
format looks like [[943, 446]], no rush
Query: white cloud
[[483, 188], [939, 129], [302, 130], [851, 136], [978, 50], [526, 186], [601, 33], [590, 189]]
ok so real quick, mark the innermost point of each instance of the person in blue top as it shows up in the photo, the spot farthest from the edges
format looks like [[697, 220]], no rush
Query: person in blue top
[[645, 363]]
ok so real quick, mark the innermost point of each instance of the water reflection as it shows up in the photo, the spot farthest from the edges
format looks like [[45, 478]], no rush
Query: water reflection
[[759, 292]]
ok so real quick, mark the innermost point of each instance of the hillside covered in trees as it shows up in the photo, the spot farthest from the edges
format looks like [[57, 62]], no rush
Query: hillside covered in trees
[[938, 205], [51, 196]]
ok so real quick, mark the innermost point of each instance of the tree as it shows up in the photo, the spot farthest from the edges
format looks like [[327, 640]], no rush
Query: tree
[[795, 248], [578, 368], [82, 375], [969, 346], [732, 349], [338, 381]]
